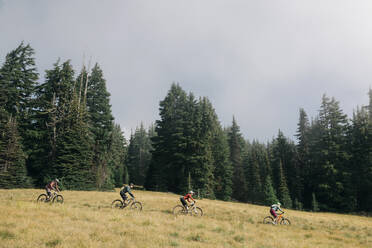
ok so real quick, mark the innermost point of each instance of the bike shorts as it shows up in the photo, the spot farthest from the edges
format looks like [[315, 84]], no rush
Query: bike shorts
[[123, 195], [273, 213], [184, 203]]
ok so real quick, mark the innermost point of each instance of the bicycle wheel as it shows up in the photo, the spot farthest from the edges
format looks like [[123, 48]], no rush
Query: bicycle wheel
[[117, 204], [42, 198], [197, 212], [179, 210], [285, 221], [268, 220], [136, 206], [58, 199]]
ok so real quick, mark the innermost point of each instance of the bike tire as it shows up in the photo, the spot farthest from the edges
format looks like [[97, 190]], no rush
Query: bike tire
[[117, 204], [197, 212], [285, 221], [137, 206], [268, 220], [42, 198], [58, 199], [179, 210]]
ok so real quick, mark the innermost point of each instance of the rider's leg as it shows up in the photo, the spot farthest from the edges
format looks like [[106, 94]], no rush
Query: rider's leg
[[184, 203], [273, 213], [125, 198], [122, 195], [49, 194]]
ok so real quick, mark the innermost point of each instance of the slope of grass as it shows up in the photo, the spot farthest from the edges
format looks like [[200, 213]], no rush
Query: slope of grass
[[87, 220]]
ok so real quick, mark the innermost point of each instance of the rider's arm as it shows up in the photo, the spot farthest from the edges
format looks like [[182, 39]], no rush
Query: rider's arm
[[130, 192]]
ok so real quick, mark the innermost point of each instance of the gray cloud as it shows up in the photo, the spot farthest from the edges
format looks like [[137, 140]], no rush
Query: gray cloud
[[258, 60]]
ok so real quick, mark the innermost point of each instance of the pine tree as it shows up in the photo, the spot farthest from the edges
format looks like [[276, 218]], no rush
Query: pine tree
[[19, 79], [360, 148], [167, 169], [13, 173], [331, 168], [252, 165], [284, 153], [283, 191], [53, 99], [74, 156], [202, 169], [236, 146], [139, 155], [101, 125], [223, 170], [118, 156], [303, 149], [182, 146], [269, 195]]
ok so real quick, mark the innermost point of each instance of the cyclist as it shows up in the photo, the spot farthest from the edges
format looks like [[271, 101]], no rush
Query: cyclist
[[53, 185], [273, 209], [126, 189], [187, 197]]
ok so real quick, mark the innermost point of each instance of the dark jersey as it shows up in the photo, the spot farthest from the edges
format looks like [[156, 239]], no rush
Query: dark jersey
[[126, 189]]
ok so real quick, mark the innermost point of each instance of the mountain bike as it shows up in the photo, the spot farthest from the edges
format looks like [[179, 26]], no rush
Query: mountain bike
[[191, 210], [281, 220], [55, 198], [134, 205]]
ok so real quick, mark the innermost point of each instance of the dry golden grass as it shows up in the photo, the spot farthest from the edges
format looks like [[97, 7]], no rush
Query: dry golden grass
[[87, 220]]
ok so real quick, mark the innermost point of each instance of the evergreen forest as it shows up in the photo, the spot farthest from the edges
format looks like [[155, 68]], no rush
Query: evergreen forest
[[62, 126]]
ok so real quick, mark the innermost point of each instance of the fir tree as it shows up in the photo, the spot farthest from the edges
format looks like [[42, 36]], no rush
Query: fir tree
[[101, 125], [269, 195], [74, 156], [117, 156], [223, 170], [303, 148], [236, 146], [360, 148], [139, 155], [331, 167], [53, 100], [283, 191], [13, 173], [19, 79], [167, 169]]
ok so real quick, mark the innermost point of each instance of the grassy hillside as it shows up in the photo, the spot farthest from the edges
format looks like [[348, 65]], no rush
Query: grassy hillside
[[87, 220]]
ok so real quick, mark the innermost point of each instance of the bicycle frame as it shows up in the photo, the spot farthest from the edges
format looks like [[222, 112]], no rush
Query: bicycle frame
[[279, 217], [53, 195]]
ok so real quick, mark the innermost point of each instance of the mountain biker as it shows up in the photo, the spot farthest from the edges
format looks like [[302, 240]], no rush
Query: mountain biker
[[126, 189], [273, 211], [187, 197], [53, 185]]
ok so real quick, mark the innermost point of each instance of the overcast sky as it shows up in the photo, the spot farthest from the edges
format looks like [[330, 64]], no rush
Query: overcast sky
[[257, 60]]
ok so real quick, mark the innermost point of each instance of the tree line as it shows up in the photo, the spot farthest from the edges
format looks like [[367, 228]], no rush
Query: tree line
[[59, 128], [63, 127]]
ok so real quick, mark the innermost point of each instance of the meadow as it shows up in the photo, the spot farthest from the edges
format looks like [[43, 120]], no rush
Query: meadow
[[86, 219]]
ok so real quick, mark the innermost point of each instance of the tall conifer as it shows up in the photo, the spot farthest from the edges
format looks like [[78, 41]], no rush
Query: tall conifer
[[236, 146]]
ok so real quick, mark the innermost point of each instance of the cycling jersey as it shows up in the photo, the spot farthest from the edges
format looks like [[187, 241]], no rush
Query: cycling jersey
[[188, 197], [126, 189]]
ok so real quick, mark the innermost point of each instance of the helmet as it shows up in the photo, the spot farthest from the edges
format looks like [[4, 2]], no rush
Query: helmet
[[278, 204], [56, 180], [191, 192], [131, 185]]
